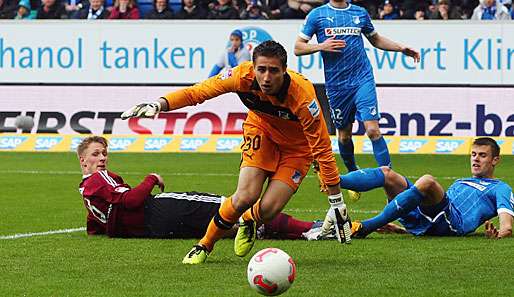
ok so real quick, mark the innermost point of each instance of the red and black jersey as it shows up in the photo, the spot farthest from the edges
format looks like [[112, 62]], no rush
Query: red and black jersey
[[114, 208]]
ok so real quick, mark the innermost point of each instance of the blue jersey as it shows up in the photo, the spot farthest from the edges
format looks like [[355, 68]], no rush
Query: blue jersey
[[475, 200], [350, 67]]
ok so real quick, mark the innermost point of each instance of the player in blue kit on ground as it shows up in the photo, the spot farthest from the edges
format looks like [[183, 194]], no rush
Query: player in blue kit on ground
[[426, 209], [349, 80]]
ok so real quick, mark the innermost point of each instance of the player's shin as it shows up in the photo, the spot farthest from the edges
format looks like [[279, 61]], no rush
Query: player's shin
[[223, 221]]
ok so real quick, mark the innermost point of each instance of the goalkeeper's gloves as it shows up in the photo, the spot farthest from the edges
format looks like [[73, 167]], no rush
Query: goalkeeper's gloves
[[143, 110], [337, 216]]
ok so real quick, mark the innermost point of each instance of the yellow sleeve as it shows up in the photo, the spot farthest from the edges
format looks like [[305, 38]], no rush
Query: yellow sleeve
[[315, 130], [225, 82]]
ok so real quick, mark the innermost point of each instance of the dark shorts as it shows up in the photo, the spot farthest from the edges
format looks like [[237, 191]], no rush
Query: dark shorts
[[180, 215]]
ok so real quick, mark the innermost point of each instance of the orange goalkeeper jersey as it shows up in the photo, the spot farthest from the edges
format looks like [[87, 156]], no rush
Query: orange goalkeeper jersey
[[294, 111]]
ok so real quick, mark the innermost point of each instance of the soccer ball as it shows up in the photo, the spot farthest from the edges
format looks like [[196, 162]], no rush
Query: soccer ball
[[271, 271]]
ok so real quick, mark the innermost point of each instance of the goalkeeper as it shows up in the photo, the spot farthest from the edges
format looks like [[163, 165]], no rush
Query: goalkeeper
[[117, 210], [283, 133]]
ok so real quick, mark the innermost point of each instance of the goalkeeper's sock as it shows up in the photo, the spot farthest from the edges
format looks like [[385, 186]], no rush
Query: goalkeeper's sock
[[363, 180], [381, 152], [284, 226], [404, 203], [346, 151], [220, 223], [253, 213]]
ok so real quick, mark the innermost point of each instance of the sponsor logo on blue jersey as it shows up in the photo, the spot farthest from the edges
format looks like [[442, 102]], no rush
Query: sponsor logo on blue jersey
[[411, 146], [75, 141], [341, 31], [253, 36], [46, 143], [192, 144], [447, 146], [367, 147], [228, 144], [314, 108], [156, 143], [120, 143], [11, 142]]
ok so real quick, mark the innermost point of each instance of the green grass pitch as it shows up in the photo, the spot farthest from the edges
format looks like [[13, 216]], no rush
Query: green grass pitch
[[39, 193]]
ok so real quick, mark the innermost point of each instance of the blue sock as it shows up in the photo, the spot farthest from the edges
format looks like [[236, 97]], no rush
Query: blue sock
[[404, 203], [346, 152], [363, 180], [381, 152]]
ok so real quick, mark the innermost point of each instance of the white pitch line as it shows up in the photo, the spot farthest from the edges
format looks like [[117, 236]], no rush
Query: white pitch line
[[300, 210], [23, 235], [78, 173]]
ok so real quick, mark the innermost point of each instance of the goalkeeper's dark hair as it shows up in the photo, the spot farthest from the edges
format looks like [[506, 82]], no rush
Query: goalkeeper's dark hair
[[495, 148], [271, 49], [86, 142]]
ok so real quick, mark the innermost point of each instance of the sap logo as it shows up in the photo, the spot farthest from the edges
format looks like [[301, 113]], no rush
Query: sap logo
[[46, 143], [156, 144], [192, 144], [120, 144], [227, 144], [411, 146], [75, 141], [335, 145], [11, 142], [447, 146], [367, 146]]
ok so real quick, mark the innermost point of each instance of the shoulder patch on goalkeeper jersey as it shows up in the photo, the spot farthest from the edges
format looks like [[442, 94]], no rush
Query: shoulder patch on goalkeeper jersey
[[314, 108], [226, 74]]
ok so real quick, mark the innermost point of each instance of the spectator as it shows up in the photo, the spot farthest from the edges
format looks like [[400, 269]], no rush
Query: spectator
[[388, 11], [25, 11], [190, 10], [419, 15], [490, 10], [8, 9], [160, 11], [370, 5], [234, 55], [124, 10], [274, 8], [252, 10], [223, 10], [51, 9], [73, 7], [409, 8], [446, 11], [94, 11], [298, 9]]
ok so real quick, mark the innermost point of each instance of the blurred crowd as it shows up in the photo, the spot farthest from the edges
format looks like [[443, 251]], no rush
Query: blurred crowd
[[249, 9]]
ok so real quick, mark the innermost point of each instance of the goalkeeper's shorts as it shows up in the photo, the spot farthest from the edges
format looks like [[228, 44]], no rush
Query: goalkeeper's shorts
[[285, 159]]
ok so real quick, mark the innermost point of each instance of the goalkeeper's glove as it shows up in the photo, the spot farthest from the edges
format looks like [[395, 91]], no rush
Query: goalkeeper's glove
[[143, 110], [337, 216]]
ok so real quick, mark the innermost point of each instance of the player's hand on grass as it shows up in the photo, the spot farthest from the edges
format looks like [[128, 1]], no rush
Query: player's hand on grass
[[411, 53], [332, 45], [143, 110], [490, 230], [160, 181]]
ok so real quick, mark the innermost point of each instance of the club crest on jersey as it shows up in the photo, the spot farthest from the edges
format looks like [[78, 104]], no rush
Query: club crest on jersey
[[341, 31], [297, 176], [314, 108], [356, 19]]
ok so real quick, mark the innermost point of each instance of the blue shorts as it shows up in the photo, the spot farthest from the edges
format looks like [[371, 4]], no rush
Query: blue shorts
[[359, 102], [434, 220]]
